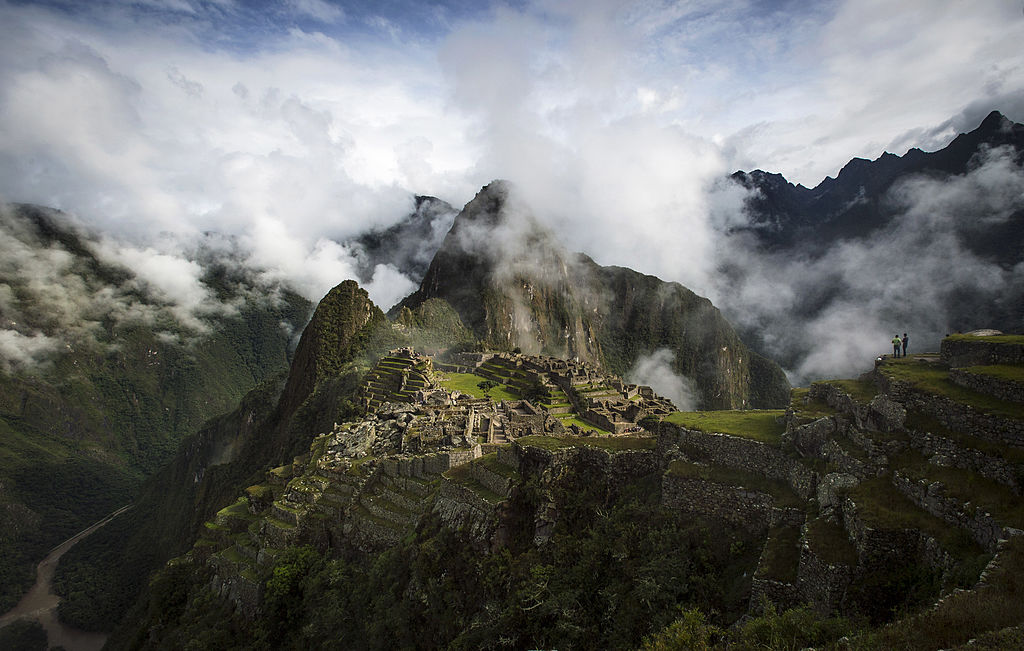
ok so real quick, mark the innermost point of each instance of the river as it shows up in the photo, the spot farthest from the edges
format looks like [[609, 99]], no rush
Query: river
[[41, 604]]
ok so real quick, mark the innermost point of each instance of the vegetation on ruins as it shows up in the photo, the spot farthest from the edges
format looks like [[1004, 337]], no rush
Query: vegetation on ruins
[[406, 487], [760, 425]]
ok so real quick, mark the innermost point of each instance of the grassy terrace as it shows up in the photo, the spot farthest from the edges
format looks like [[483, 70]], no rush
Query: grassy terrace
[[614, 443], [983, 493], [884, 507], [1002, 371], [781, 554], [860, 390], [924, 423], [239, 509], [830, 542], [778, 489], [809, 409], [468, 383], [461, 475], [490, 461], [572, 419], [934, 378], [756, 424], [977, 614]]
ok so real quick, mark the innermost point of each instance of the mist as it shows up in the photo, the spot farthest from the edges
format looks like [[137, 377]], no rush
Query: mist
[[293, 129], [655, 370], [832, 315]]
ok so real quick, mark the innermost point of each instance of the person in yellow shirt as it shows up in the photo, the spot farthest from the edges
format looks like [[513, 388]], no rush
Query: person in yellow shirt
[[896, 343]]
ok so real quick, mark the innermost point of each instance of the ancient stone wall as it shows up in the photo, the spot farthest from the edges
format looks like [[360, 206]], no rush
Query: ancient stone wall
[[931, 497], [459, 457], [944, 451], [747, 455], [763, 591], [957, 416], [491, 480], [749, 509], [883, 547], [461, 508], [989, 385], [821, 584], [810, 438], [978, 352]]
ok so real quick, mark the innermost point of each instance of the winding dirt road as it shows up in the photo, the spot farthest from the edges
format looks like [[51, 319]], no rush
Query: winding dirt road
[[41, 604]]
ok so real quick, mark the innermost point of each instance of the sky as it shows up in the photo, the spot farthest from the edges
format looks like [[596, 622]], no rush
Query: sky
[[292, 125]]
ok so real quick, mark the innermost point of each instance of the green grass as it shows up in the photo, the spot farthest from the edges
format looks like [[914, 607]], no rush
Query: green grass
[[239, 509], [860, 390], [830, 543], [809, 409], [756, 424], [468, 383], [984, 494], [573, 419], [925, 423], [976, 614], [490, 461], [884, 507], [778, 489], [461, 475], [614, 443], [781, 555], [934, 378], [1001, 371]]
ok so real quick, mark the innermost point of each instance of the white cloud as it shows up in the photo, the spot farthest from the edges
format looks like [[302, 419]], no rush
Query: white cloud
[[616, 120], [18, 351], [655, 370]]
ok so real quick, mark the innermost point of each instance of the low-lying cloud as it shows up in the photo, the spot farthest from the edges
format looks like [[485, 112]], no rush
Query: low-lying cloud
[[655, 370], [831, 315], [291, 130]]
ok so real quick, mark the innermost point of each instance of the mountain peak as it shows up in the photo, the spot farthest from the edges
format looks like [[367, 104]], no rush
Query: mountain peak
[[994, 121]]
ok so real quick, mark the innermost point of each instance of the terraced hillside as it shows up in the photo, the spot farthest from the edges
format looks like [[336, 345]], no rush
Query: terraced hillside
[[885, 509], [396, 378], [876, 496]]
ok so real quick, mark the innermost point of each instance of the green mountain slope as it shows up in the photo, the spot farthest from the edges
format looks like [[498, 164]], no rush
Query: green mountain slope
[[101, 577], [112, 381], [885, 510]]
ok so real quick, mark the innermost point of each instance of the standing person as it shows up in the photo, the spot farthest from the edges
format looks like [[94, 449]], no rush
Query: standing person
[[906, 339], [896, 343]]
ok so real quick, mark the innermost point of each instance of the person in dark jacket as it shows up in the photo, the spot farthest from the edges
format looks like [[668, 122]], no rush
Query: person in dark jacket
[[906, 340]]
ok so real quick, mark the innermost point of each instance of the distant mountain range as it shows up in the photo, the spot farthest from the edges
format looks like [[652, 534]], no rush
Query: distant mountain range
[[857, 202]]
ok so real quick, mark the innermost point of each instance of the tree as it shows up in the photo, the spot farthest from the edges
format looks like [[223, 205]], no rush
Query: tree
[[486, 386]]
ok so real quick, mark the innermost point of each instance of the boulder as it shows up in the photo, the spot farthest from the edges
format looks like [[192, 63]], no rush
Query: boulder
[[886, 414]]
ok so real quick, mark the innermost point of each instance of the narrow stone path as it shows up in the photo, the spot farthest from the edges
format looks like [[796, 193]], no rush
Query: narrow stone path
[[41, 604]]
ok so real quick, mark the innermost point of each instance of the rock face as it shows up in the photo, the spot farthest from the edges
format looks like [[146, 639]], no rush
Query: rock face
[[409, 245], [514, 286]]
